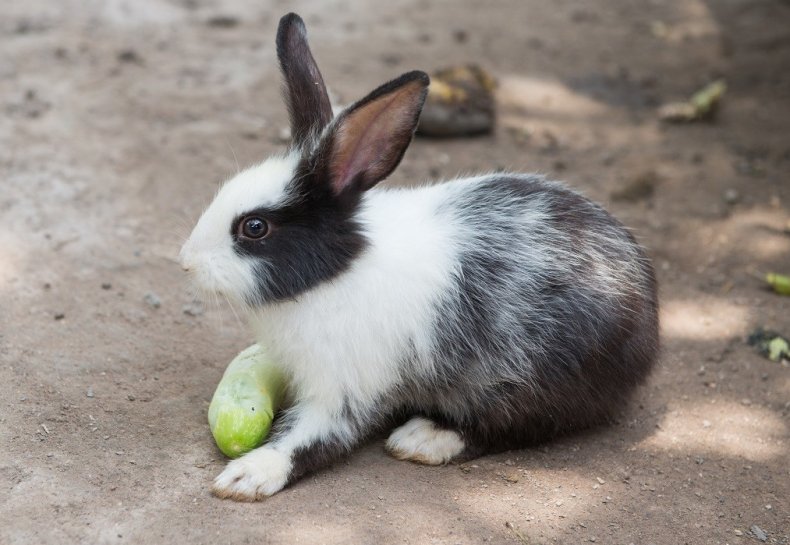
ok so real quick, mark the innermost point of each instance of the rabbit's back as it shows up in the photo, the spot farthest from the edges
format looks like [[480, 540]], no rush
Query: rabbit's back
[[552, 319]]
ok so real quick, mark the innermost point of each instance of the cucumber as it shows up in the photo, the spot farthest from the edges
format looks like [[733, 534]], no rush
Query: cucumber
[[779, 282], [244, 404]]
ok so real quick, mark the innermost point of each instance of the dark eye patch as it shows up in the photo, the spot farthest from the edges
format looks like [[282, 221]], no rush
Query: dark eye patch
[[310, 240]]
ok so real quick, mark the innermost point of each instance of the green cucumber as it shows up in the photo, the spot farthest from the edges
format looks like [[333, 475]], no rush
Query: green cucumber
[[244, 404], [779, 282]]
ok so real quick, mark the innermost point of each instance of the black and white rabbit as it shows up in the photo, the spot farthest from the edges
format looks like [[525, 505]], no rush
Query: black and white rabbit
[[494, 312]]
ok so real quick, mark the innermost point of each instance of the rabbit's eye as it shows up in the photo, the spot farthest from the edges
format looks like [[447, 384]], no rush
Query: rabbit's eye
[[253, 228]]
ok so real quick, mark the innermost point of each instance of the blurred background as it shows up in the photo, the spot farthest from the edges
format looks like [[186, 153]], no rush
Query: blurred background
[[118, 118]]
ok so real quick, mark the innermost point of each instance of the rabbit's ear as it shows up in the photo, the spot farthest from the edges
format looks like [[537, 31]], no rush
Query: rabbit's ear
[[305, 93], [367, 141]]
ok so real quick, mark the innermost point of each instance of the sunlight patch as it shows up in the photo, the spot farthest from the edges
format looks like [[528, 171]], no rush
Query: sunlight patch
[[725, 428], [703, 319], [12, 256]]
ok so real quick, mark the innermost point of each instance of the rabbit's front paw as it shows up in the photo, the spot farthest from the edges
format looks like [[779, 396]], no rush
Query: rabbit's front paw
[[254, 476]]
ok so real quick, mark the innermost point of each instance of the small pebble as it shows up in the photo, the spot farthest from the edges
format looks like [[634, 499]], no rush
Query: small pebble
[[600, 481], [129, 56], [152, 299], [759, 533], [738, 533], [89, 393], [106, 286], [59, 316], [130, 397], [731, 196], [512, 478], [284, 135]]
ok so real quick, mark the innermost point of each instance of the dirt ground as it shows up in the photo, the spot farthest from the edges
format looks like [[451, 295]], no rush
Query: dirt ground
[[119, 118]]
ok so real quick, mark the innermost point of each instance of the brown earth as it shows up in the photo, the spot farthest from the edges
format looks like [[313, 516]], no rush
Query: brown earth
[[119, 117]]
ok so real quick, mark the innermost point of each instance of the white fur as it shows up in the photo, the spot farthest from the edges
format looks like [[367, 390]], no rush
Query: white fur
[[392, 288], [420, 440], [208, 253], [260, 473], [308, 422]]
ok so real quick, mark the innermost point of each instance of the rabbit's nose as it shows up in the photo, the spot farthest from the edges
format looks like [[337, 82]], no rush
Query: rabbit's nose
[[184, 259]]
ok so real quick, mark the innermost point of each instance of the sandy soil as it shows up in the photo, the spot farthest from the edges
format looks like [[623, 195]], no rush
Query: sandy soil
[[119, 117]]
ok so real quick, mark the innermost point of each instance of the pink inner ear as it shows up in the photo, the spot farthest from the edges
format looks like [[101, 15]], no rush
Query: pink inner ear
[[370, 139]]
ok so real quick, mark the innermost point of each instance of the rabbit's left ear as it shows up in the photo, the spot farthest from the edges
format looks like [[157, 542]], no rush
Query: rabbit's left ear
[[367, 141], [305, 93]]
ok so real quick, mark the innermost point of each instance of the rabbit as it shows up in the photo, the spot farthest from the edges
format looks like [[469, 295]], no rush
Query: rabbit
[[477, 315]]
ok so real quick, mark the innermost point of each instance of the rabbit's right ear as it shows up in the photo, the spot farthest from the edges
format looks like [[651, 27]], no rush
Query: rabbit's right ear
[[366, 142], [305, 93]]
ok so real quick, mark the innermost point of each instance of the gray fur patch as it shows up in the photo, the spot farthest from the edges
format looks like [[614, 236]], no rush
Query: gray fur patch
[[553, 323]]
